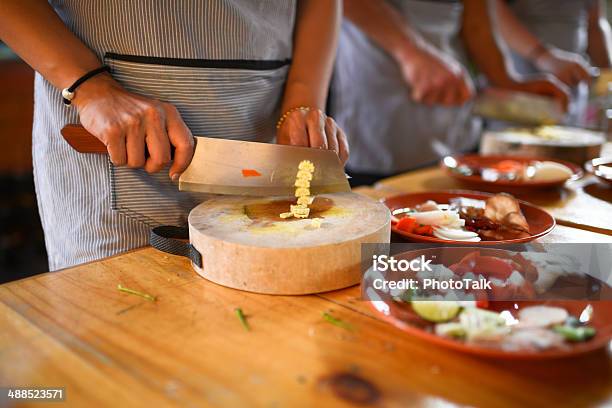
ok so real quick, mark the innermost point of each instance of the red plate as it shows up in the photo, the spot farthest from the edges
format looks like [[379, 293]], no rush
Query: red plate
[[475, 160], [403, 317], [592, 166], [540, 222]]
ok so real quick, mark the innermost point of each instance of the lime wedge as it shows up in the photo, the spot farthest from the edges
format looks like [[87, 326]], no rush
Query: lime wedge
[[436, 310]]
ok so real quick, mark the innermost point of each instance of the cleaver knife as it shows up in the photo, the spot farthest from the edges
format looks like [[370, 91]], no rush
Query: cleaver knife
[[234, 167]]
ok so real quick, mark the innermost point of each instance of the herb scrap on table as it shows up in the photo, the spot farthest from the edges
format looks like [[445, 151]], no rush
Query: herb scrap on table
[[337, 322], [146, 296], [242, 319]]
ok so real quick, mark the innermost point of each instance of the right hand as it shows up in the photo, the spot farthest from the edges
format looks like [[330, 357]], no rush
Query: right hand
[[569, 68], [435, 78], [126, 122]]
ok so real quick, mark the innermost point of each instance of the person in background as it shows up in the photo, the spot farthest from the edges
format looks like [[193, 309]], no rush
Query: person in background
[[563, 38], [401, 83], [227, 69]]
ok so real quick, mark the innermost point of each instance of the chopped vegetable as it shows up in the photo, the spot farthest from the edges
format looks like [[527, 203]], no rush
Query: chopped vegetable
[[575, 334], [466, 264], [337, 322], [424, 230], [406, 224], [436, 310], [509, 166], [250, 173], [482, 324], [242, 319], [482, 303], [542, 316], [150, 298], [492, 267], [302, 191], [405, 296], [453, 329], [316, 223]]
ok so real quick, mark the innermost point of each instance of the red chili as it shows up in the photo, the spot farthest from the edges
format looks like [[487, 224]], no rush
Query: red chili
[[250, 173], [406, 224]]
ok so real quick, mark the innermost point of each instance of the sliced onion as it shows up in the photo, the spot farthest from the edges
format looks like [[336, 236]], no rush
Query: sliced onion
[[456, 234], [436, 218]]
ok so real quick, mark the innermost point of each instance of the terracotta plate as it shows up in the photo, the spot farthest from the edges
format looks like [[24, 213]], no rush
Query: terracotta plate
[[540, 222], [403, 317], [475, 160], [592, 166]]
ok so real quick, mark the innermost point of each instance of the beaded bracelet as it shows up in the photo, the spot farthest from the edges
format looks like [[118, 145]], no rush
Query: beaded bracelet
[[68, 93], [285, 115]]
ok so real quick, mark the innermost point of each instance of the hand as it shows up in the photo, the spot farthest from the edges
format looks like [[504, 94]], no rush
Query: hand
[[435, 78], [313, 129], [568, 67], [126, 122], [547, 86]]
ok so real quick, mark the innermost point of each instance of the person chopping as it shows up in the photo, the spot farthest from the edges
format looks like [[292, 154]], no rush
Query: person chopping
[[146, 74], [412, 103], [566, 39]]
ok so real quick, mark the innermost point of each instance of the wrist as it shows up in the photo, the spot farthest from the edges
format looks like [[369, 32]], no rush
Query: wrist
[[299, 94], [94, 88], [538, 54], [406, 51]]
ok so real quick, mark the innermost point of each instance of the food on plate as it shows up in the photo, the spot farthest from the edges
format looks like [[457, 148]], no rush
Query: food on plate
[[302, 192], [436, 311], [505, 212], [464, 219], [507, 313], [548, 171], [553, 135], [516, 171], [510, 277], [542, 316], [535, 328]]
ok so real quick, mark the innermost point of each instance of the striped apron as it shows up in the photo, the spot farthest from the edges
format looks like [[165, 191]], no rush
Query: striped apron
[[562, 24], [388, 132], [222, 63]]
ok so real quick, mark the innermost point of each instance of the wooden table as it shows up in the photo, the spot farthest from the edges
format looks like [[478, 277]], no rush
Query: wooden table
[[74, 329]]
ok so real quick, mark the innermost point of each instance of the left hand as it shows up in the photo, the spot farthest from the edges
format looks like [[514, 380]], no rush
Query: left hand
[[569, 68], [313, 128]]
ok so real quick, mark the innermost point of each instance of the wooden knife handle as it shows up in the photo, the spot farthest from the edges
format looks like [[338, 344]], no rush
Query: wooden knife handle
[[81, 140], [84, 142]]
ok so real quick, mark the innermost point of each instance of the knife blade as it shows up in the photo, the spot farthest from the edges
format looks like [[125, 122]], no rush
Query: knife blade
[[234, 167]]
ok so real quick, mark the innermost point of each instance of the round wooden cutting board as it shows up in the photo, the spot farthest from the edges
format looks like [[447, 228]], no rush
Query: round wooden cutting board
[[246, 245]]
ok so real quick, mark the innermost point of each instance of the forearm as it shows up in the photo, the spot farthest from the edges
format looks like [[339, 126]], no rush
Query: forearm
[[514, 33], [384, 25], [479, 37], [600, 37], [34, 31], [314, 49]]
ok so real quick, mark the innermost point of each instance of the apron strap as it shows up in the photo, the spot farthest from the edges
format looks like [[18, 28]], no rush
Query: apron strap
[[169, 239]]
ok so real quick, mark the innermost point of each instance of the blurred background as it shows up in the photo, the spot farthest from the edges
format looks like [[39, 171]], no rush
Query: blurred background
[[22, 249]]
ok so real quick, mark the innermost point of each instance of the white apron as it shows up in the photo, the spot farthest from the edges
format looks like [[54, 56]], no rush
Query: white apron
[[222, 63], [388, 132]]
